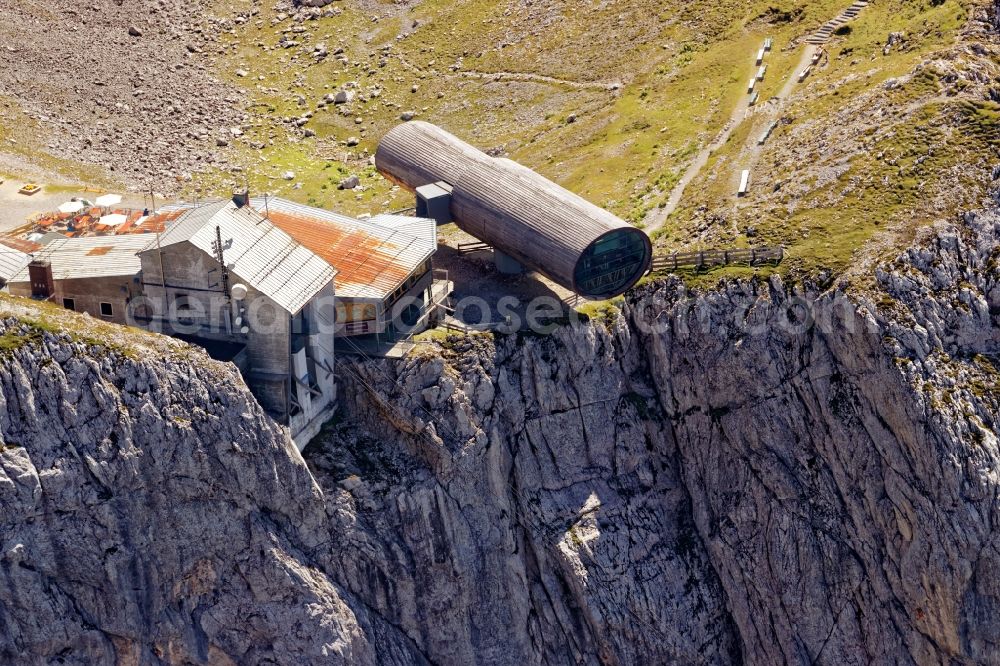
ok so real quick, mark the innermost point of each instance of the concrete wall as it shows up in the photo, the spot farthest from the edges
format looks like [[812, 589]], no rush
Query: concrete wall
[[191, 273], [268, 349], [89, 293], [322, 343], [319, 349], [196, 276], [193, 276]]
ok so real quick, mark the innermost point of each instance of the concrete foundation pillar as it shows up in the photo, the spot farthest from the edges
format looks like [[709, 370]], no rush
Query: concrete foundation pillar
[[505, 264]]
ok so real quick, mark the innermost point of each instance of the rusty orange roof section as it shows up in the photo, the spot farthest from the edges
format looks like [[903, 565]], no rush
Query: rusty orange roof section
[[360, 258], [372, 260], [20, 244]]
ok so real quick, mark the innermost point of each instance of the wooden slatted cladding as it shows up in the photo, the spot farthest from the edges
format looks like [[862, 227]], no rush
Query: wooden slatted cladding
[[417, 153], [517, 211], [542, 227]]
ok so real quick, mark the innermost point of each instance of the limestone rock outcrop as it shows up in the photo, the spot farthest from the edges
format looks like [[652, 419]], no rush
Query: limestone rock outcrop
[[766, 472], [151, 513], [761, 473]]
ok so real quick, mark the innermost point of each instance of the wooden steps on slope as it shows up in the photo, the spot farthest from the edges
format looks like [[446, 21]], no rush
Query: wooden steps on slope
[[822, 36]]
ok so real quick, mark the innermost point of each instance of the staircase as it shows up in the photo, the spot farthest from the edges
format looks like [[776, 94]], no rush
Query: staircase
[[822, 36]]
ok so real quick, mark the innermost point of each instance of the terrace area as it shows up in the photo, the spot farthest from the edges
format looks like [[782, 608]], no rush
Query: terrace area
[[93, 221]]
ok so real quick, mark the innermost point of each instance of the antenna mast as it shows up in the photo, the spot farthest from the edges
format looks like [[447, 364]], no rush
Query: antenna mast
[[159, 250], [220, 257]]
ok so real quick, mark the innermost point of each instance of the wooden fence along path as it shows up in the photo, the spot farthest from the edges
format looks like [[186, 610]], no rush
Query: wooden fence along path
[[454, 327], [708, 258]]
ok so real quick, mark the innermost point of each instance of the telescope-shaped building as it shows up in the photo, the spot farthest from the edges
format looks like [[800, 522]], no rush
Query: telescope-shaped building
[[524, 216]]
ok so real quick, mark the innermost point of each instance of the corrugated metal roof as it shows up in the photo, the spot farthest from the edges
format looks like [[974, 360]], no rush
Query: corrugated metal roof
[[49, 236], [421, 227], [183, 223], [90, 257], [12, 261], [372, 260], [258, 252]]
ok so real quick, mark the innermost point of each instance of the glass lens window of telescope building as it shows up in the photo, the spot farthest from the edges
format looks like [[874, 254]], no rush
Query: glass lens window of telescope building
[[612, 263]]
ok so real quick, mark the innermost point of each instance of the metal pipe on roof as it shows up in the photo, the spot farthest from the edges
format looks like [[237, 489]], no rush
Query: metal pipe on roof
[[519, 212]]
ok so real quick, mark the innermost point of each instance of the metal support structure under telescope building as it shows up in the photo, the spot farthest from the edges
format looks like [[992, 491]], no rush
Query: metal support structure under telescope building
[[519, 212]]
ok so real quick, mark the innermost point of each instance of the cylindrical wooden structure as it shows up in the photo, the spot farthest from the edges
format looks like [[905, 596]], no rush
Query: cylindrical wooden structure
[[519, 212]]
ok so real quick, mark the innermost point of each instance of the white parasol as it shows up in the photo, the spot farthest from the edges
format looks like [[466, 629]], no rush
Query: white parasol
[[106, 200], [71, 207], [114, 219]]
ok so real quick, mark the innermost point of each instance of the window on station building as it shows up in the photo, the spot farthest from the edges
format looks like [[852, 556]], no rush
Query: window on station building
[[107, 310], [69, 304], [351, 312]]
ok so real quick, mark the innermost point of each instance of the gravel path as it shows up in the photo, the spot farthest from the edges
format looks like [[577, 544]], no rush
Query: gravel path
[[658, 216]]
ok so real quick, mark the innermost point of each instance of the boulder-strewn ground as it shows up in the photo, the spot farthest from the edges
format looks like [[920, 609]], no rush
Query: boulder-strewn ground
[[762, 472], [894, 128], [125, 86]]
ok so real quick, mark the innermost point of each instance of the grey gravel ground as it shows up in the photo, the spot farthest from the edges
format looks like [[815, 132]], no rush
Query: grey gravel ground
[[124, 86]]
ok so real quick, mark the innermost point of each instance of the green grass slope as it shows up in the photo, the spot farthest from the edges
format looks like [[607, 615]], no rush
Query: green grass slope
[[874, 141], [648, 82], [615, 99], [874, 146]]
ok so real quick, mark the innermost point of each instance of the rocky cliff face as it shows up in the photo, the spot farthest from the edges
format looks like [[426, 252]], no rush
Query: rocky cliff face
[[764, 473], [152, 514]]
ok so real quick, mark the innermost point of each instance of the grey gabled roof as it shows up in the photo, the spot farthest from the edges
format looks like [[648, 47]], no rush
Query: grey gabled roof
[[420, 227], [191, 222], [12, 261], [89, 257], [256, 251]]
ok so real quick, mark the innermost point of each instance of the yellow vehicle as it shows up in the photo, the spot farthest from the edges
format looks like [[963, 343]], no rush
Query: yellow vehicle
[[30, 189]]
